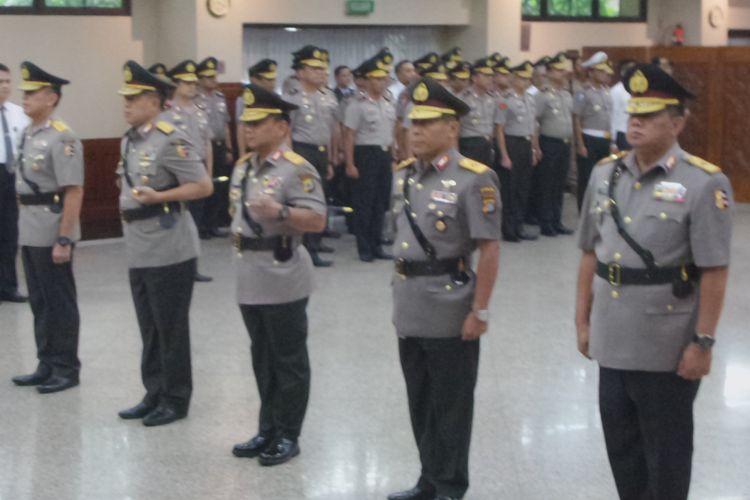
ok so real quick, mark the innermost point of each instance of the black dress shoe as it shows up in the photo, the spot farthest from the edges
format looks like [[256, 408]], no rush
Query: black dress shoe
[[366, 257], [279, 452], [328, 233], [382, 255], [162, 415], [416, 493], [548, 230], [318, 262], [531, 221], [219, 233], [386, 241], [446, 498], [561, 229], [56, 384], [510, 237], [36, 378], [252, 448], [205, 235], [526, 236], [14, 296], [138, 411], [325, 249], [202, 278]]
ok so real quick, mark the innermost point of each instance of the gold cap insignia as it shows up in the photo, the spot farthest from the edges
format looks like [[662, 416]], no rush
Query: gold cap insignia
[[421, 93], [324, 56], [211, 64], [638, 83], [451, 64], [248, 97], [316, 54], [25, 73], [128, 74], [433, 58], [388, 58], [271, 67], [190, 67]]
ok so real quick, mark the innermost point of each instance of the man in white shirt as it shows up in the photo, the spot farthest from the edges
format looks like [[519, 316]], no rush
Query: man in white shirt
[[619, 118], [13, 121]]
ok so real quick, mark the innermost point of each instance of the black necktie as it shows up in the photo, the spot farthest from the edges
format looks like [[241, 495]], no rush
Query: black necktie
[[8, 143]]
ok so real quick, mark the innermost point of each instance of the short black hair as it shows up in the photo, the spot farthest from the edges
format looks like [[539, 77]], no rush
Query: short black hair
[[3, 67], [339, 69], [401, 64], [677, 109]]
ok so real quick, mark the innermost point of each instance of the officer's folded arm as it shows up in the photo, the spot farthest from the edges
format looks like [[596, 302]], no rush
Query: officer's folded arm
[[187, 191], [297, 218], [487, 266]]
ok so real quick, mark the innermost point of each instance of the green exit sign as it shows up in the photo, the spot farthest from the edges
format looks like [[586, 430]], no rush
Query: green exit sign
[[360, 7]]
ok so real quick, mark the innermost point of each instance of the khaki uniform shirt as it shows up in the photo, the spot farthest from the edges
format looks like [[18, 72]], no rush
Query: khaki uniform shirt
[[292, 181], [594, 106], [52, 157], [682, 214], [479, 122], [554, 111], [456, 204], [160, 157], [516, 113], [215, 107], [193, 121], [313, 122], [373, 120]]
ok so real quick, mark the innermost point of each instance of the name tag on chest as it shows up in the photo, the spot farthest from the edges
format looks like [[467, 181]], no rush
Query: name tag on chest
[[444, 197], [670, 191]]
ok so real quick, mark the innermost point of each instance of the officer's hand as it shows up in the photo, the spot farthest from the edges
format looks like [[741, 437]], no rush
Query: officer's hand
[[264, 208], [473, 328], [582, 332], [229, 158], [61, 254], [352, 172], [582, 151], [329, 173], [695, 362], [146, 195], [506, 163], [536, 155]]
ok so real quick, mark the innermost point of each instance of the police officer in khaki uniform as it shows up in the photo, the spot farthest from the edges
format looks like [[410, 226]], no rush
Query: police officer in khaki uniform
[[370, 128], [448, 207], [159, 170], [554, 113], [477, 126], [276, 196], [185, 114], [313, 125], [592, 108], [459, 76], [49, 183], [264, 74], [515, 131], [214, 104], [655, 233]]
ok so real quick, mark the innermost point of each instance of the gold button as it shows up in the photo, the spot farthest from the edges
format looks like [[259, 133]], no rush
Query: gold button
[[400, 182], [432, 206], [615, 294], [618, 256], [414, 214], [670, 307], [637, 185], [598, 210], [440, 213], [448, 287], [404, 245], [628, 220], [419, 186], [663, 216]]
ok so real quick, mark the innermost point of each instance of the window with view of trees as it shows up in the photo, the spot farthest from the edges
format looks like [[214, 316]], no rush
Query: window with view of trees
[[584, 10], [82, 7]]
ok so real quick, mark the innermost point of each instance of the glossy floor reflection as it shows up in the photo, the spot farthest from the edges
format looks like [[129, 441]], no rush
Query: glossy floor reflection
[[537, 431]]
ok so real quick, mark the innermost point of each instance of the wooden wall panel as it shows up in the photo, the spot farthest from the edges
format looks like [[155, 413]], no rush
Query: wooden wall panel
[[720, 79], [100, 213]]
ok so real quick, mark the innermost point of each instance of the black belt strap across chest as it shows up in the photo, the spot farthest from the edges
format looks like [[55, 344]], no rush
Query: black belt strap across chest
[[22, 170], [254, 226], [427, 247]]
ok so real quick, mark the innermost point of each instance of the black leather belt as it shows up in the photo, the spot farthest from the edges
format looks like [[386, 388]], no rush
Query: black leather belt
[[41, 198], [435, 267], [149, 211], [554, 139], [242, 243], [617, 275], [320, 147]]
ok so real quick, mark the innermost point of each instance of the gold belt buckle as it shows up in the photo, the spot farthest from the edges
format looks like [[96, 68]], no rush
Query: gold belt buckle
[[614, 274], [400, 265], [236, 241]]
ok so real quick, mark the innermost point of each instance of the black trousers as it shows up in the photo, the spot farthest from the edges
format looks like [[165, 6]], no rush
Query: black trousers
[[598, 148], [319, 159], [162, 296], [440, 378], [476, 148], [216, 206], [371, 196], [552, 174], [519, 177], [8, 231], [53, 301], [647, 418], [278, 348]]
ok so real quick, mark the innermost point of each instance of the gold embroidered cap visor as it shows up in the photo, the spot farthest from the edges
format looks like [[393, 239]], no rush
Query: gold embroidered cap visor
[[32, 86], [315, 63], [257, 114], [427, 112], [186, 77], [647, 105], [377, 73], [437, 76], [131, 89], [604, 67], [207, 72], [271, 75]]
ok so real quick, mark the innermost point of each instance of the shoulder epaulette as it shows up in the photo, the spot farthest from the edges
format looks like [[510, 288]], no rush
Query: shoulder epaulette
[[59, 126], [474, 166], [294, 158], [612, 157], [219, 93], [702, 164], [165, 127], [406, 163]]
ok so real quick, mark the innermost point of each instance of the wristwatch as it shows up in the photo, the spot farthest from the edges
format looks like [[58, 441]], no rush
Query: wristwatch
[[482, 315], [704, 341], [64, 241], [283, 212]]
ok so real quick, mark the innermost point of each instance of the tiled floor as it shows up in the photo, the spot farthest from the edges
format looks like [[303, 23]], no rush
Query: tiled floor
[[537, 432]]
